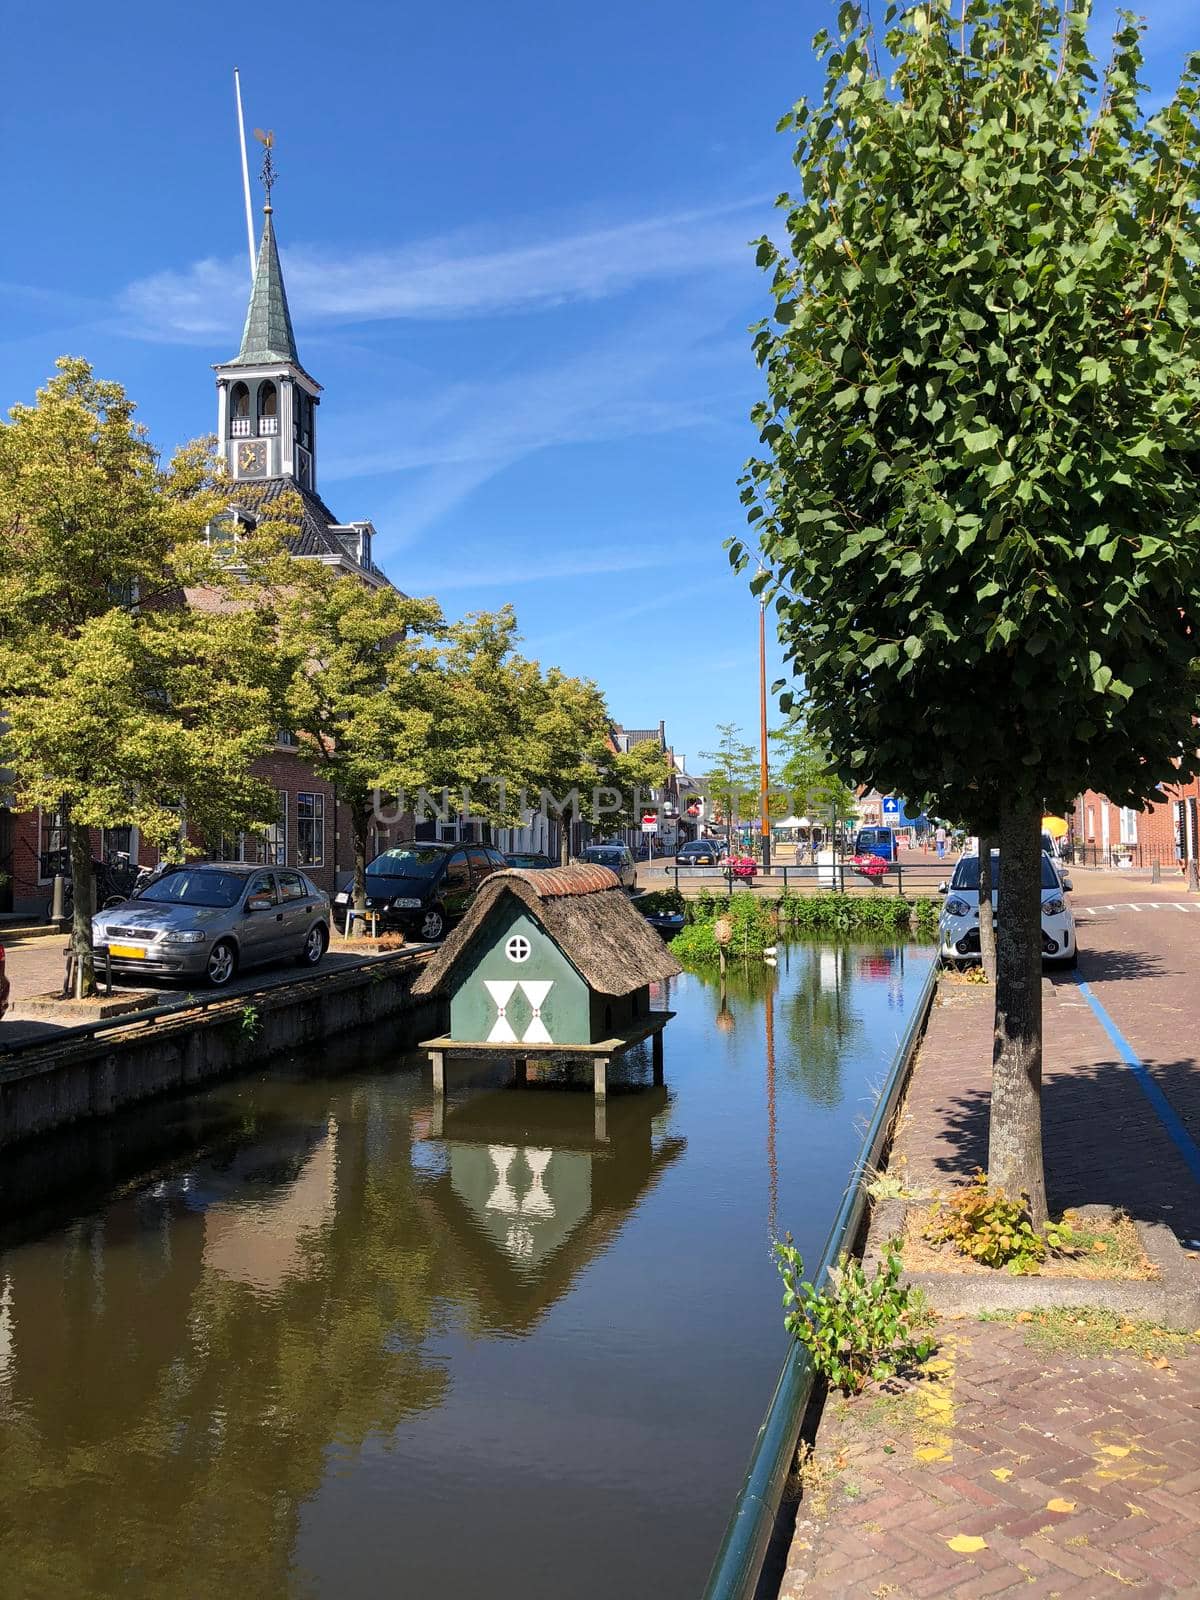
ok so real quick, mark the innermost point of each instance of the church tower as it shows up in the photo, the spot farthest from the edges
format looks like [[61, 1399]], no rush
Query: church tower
[[267, 403]]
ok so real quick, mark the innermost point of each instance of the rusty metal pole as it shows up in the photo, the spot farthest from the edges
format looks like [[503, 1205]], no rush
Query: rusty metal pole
[[763, 780]]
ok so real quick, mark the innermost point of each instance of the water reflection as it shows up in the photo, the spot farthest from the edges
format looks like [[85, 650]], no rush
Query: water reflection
[[535, 1182], [287, 1357]]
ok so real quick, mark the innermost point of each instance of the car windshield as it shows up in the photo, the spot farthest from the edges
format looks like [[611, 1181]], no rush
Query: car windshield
[[523, 861], [407, 861], [196, 888], [966, 873], [604, 857]]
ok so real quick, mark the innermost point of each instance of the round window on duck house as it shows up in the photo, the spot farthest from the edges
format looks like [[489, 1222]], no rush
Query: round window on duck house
[[517, 948]]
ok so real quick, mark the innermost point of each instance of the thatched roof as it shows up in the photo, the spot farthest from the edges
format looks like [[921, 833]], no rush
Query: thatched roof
[[588, 915]]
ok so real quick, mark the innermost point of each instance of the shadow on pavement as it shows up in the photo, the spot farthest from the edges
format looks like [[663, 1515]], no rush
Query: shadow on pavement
[[1103, 966], [1103, 1142]]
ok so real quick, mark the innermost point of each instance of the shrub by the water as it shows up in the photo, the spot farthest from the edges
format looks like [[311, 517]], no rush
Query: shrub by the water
[[754, 927], [757, 920]]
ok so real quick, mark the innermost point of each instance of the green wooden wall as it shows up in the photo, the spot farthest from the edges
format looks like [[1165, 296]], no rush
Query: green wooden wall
[[566, 1009]]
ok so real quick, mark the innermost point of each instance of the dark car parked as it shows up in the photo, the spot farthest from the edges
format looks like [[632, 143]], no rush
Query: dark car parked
[[529, 861], [422, 887], [700, 853]]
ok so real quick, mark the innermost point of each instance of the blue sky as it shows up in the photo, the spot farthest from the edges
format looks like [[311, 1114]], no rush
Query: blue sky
[[514, 239]]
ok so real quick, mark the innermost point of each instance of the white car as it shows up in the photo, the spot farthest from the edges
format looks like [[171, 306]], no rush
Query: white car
[[958, 925]]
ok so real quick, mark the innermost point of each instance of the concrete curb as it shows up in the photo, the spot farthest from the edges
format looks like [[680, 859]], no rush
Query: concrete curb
[[1173, 1301]]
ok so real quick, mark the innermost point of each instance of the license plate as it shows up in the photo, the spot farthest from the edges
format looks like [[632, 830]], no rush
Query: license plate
[[128, 952]]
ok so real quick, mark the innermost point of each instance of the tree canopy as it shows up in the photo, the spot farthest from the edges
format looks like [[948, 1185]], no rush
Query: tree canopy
[[983, 398]]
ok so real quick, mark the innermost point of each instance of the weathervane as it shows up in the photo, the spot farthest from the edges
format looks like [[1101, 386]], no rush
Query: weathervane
[[267, 140]]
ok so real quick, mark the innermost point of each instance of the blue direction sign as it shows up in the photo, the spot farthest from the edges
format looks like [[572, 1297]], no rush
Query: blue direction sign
[[891, 806]]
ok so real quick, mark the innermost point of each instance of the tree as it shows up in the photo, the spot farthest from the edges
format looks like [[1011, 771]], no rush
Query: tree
[[977, 497], [734, 773], [809, 773], [122, 704], [564, 723], [364, 674]]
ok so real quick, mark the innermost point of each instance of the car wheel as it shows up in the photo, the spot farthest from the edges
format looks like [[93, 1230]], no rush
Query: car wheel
[[222, 964], [316, 941], [433, 923]]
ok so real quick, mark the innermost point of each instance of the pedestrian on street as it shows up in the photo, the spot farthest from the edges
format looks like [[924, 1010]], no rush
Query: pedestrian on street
[[941, 842]]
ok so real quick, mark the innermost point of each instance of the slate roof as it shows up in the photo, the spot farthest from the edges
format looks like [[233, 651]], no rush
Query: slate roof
[[587, 914], [316, 536], [267, 338]]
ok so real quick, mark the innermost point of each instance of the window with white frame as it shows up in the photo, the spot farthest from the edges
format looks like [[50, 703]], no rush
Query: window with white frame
[[272, 841], [1128, 825], [310, 830]]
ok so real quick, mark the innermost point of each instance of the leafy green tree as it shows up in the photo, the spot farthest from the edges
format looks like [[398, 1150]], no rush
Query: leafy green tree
[[123, 705], [734, 773], [807, 771], [364, 676], [977, 497]]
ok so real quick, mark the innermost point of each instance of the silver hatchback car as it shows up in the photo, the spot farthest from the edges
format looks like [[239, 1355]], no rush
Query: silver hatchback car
[[209, 919]]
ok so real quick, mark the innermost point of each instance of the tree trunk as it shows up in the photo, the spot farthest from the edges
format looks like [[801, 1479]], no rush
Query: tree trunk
[[360, 817], [79, 846], [1015, 1130], [987, 925], [564, 841]]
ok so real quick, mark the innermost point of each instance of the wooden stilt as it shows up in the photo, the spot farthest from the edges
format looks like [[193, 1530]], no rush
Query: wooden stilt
[[438, 1062], [600, 1077], [601, 1121], [656, 1056]]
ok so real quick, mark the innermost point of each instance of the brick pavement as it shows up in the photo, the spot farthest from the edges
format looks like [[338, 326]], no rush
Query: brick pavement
[[1053, 1473], [1111, 1435]]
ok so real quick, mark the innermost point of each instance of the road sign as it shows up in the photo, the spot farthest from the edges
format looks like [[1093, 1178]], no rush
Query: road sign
[[649, 827], [891, 806]]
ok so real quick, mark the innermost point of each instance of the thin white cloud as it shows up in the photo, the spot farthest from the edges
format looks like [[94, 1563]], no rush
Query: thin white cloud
[[532, 566], [443, 441], [449, 277]]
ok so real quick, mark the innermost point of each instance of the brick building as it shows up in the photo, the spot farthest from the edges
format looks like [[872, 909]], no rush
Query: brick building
[[267, 435], [1164, 832]]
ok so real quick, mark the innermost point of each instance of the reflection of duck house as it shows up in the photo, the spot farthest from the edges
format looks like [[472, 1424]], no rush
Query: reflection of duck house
[[529, 1195], [549, 964]]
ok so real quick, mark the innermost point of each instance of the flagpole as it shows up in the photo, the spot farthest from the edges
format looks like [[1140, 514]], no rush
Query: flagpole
[[237, 88]]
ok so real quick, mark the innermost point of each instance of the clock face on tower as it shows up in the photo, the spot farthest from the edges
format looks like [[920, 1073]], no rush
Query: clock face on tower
[[252, 459]]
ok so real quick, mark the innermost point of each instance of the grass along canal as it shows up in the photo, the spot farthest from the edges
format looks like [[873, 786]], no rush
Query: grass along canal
[[320, 1349]]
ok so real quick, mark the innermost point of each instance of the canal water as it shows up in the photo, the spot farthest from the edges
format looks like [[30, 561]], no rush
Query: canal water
[[306, 1337]]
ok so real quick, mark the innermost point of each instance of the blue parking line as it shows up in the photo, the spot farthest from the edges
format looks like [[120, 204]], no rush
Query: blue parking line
[[1163, 1109]]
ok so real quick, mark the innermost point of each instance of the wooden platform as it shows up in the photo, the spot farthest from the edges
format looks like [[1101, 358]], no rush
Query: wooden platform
[[598, 1051]]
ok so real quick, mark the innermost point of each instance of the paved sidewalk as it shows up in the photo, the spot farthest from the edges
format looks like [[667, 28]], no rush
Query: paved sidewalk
[[1018, 1471], [1008, 1427]]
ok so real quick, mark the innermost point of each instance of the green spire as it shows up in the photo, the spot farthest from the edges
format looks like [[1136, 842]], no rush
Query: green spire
[[267, 337]]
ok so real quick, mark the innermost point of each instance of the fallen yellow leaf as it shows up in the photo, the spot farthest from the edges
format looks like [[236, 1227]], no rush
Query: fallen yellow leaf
[[966, 1544], [931, 1452], [1161, 1363], [1114, 1450], [1024, 1316], [1003, 1473], [1099, 1245], [1064, 1506]]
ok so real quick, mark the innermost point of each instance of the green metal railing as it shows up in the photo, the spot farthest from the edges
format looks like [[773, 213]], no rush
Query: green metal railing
[[736, 1571]]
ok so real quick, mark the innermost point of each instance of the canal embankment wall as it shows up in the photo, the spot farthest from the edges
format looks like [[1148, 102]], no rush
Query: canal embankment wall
[[71, 1079]]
